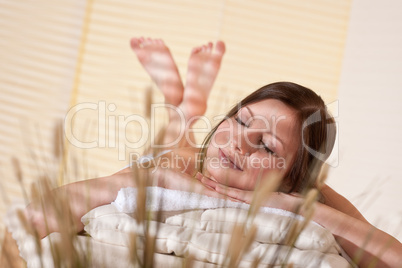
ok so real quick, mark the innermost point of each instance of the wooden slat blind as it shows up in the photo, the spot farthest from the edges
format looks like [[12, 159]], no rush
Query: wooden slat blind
[[38, 51], [266, 41], [40, 47]]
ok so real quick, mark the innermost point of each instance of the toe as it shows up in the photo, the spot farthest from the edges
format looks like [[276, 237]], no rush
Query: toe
[[196, 50], [209, 47], [135, 43], [155, 41], [147, 41], [220, 47]]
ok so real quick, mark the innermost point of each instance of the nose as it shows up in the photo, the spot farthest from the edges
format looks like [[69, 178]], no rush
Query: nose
[[244, 143], [236, 145]]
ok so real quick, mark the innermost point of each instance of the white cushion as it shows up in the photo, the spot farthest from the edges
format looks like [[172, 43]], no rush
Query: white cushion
[[206, 234]]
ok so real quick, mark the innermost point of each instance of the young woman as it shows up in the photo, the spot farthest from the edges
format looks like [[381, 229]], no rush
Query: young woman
[[282, 128]]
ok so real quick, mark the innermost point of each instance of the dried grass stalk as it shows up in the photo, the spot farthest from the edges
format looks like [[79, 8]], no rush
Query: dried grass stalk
[[133, 249], [240, 243], [148, 102], [188, 261], [141, 183], [264, 189], [19, 176], [307, 210], [58, 144], [322, 176]]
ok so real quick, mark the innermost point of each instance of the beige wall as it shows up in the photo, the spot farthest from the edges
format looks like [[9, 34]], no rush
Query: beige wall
[[57, 55], [370, 94]]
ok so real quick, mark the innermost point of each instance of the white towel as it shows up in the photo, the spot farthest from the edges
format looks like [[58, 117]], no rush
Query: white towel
[[161, 199]]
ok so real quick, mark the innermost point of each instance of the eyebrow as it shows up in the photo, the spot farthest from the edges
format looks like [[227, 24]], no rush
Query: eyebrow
[[275, 136]]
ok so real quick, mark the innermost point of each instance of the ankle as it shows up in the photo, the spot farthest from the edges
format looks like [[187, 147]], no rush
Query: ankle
[[193, 110]]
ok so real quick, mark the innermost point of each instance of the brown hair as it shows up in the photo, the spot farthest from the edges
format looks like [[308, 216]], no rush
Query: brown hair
[[316, 126]]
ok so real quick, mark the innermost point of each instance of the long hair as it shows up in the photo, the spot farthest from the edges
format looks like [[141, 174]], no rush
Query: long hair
[[316, 127]]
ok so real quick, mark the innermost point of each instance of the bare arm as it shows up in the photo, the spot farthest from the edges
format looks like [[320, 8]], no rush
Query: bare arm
[[340, 203], [362, 241], [81, 196], [85, 195], [355, 234]]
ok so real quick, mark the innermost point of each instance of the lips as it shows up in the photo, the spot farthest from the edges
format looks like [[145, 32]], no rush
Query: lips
[[227, 161]]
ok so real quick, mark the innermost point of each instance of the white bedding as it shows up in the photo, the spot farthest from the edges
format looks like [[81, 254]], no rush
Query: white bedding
[[202, 233]]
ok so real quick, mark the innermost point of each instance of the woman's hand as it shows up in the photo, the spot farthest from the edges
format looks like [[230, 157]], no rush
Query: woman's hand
[[233, 193], [289, 202], [36, 218]]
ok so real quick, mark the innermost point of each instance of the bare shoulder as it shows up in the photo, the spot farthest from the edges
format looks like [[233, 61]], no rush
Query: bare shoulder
[[337, 201], [124, 170], [186, 151], [183, 159]]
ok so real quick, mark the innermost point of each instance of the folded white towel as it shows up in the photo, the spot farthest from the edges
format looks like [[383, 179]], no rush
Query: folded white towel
[[161, 199]]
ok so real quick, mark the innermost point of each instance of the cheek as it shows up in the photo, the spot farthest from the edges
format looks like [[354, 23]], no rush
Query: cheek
[[219, 140], [221, 137], [211, 164], [269, 165]]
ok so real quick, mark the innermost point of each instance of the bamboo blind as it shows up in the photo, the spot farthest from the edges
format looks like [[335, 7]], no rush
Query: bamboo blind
[[300, 41]]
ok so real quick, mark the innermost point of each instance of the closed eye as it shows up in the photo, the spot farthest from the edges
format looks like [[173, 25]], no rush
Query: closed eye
[[238, 120], [267, 149]]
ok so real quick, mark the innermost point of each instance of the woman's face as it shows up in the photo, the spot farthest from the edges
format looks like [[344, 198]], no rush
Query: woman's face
[[261, 135]]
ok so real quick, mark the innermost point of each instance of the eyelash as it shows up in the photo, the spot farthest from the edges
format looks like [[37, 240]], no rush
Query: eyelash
[[238, 120], [267, 149]]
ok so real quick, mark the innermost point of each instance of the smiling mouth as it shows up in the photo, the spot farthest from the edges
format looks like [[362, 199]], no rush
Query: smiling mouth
[[227, 161]]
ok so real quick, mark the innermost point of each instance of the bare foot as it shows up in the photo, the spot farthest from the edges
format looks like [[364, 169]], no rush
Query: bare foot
[[203, 68], [156, 59]]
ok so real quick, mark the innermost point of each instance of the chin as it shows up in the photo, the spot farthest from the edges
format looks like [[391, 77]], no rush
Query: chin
[[219, 174], [226, 177]]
